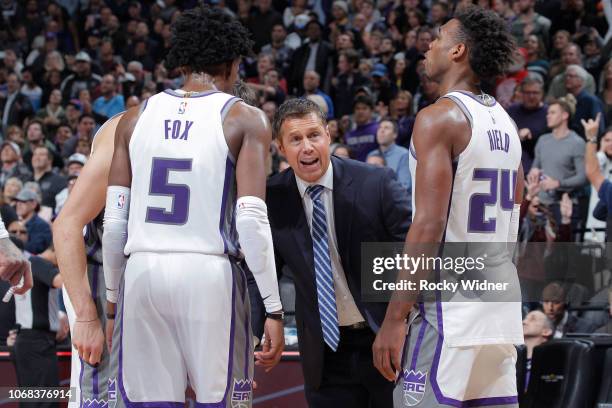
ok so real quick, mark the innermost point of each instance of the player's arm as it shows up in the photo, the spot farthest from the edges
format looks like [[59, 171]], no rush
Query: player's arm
[[13, 266], [117, 207], [252, 221], [84, 203], [433, 135]]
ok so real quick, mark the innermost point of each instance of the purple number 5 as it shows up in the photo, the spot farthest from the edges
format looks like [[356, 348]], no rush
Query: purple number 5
[[480, 201], [160, 170]]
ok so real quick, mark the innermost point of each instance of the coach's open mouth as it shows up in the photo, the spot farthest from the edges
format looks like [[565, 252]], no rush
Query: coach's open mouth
[[307, 164]]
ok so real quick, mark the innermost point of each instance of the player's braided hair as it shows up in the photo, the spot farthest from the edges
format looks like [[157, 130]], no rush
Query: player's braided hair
[[203, 39], [490, 45]]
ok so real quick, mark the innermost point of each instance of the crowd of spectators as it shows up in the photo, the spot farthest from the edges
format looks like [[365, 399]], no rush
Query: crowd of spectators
[[68, 65]]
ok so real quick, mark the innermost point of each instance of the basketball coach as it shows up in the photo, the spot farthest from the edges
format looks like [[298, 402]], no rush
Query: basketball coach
[[321, 210]]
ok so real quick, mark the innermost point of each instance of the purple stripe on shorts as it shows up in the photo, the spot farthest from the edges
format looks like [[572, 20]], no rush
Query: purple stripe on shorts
[[247, 322], [94, 294], [417, 347], [229, 172], [81, 382]]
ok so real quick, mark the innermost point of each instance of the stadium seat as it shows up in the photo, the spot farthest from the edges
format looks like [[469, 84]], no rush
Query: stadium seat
[[561, 375], [521, 369], [605, 389]]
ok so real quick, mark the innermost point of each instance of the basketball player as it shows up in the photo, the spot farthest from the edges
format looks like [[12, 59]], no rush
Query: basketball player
[[80, 264], [188, 176], [460, 353], [75, 257]]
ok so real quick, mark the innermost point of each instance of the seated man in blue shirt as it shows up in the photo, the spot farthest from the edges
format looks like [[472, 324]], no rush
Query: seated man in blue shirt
[[39, 232], [396, 157]]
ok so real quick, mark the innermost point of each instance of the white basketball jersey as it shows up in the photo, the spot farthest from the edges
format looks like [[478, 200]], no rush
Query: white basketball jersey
[[480, 208], [183, 189]]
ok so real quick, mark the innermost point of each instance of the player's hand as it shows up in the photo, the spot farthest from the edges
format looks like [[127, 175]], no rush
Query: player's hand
[[88, 340], [108, 333], [14, 267], [273, 345], [387, 348], [591, 127], [524, 133]]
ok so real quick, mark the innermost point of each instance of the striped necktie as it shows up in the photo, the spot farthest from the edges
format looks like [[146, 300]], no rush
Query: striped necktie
[[326, 294]]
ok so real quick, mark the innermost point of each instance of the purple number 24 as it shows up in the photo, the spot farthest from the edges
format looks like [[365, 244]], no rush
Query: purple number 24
[[480, 201], [160, 170]]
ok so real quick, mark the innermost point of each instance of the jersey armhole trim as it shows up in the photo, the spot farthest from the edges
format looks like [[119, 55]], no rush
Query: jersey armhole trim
[[224, 111], [463, 109]]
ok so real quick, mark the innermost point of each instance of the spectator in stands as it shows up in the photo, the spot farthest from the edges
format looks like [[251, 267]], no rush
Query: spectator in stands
[[85, 130], [14, 105], [375, 158], [529, 22], [587, 104], [83, 77], [35, 135], [39, 232], [607, 329], [362, 139], [346, 83], [31, 88], [559, 156], [530, 117], [340, 150], [537, 329], [12, 163], [280, 52], [571, 55], [537, 63], [315, 55], [395, 157], [555, 307], [109, 103], [12, 187], [311, 84], [263, 17], [52, 114], [76, 162], [427, 93], [50, 183], [16, 134]]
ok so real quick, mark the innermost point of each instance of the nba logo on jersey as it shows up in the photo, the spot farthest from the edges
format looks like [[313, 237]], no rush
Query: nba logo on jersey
[[182, 107], [414, 387], [241, 393]]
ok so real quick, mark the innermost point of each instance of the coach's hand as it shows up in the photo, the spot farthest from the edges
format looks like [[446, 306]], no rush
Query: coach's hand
[[387, 347], [273, 345], [14, 266], [88, 338]]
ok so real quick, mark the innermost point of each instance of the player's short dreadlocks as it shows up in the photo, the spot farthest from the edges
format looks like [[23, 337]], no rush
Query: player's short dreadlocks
[[203, 39], [490, 45]]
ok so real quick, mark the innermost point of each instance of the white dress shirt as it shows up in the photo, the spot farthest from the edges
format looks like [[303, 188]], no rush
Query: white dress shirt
[[348, 313]]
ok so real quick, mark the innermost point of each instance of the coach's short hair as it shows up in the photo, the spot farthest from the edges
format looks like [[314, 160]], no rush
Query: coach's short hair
[[295, 108]]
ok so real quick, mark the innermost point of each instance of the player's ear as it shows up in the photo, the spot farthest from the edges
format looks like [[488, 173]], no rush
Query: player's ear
[[459, 51]]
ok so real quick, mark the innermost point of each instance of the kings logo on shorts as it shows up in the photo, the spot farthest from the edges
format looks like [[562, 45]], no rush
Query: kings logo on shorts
[[241, 393], [112, 392], [414, 387]]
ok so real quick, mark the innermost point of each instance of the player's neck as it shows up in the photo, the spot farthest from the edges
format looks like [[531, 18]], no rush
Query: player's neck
[[199, 82], [458, 81]]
